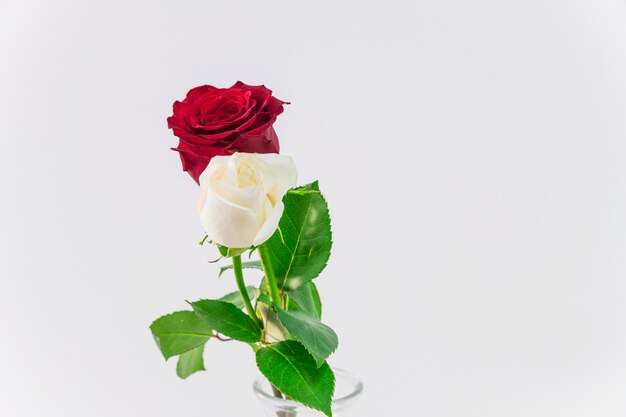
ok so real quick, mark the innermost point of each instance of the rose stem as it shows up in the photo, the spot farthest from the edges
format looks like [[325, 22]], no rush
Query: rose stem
[[278, 394], [275, 296], [269, 274], [243, 292]]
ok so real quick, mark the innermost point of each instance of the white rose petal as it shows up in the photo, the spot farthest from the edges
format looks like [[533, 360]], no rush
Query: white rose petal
[[241, 200]]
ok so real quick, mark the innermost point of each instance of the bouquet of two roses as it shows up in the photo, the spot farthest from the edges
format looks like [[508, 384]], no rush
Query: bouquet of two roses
[[250, 205]]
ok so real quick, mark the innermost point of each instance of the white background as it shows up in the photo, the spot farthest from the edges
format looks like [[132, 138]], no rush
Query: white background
[[473, 155]]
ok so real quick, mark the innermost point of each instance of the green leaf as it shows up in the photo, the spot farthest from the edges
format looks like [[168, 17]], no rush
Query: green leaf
[[190, 362], [294, 372], [319, 339], [249, 264], [179, 332], [235, 297], [228, 319], [263, 286], [265, 299], [300, 247], [307, 299], [273, 330]]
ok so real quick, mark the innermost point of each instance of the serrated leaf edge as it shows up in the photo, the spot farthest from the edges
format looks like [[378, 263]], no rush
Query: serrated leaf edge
[[308, 210], [158, 341], [228, 321], [197, 370], [329, 405], [318, 363]]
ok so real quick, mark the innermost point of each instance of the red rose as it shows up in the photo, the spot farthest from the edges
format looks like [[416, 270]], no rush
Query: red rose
[[214, 121]]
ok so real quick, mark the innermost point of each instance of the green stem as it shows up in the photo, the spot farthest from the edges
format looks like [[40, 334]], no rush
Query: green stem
[[269, 275], [241, 285]]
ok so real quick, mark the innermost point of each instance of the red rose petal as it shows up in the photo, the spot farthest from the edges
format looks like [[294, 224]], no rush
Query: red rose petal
[[214, 121]]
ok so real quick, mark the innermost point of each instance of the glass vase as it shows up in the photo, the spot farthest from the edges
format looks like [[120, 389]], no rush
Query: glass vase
[[348, 389]]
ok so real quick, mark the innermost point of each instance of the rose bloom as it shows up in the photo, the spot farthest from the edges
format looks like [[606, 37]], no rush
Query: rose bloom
[[214, 121], [241, 201]]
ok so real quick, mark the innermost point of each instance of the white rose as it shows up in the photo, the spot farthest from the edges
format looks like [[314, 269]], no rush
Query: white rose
[[242, 194]]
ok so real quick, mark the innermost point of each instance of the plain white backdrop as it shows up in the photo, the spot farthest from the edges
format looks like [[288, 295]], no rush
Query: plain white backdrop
[[473, 154]]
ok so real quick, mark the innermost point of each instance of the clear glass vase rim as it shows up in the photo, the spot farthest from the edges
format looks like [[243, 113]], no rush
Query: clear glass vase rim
[[358, 388]]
